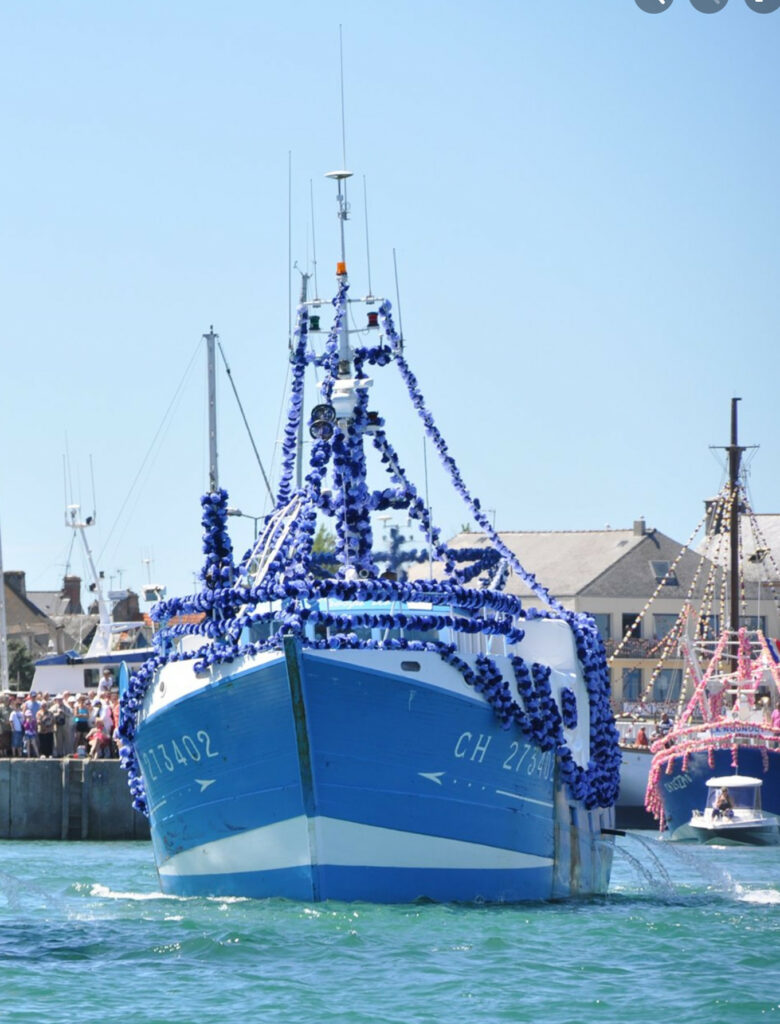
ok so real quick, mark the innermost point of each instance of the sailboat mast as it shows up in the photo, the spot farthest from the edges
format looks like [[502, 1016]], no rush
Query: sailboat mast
[[211, 357], [735, 459]]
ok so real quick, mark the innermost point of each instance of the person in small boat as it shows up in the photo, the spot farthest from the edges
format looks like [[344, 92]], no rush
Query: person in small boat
[[724, 805], [665, 725], [641, 737]]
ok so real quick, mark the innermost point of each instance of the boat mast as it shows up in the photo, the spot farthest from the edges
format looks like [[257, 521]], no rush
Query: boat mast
[[299, 450], [72, 520], [3, 629], [345, 353], [211, 343], [735, 459]]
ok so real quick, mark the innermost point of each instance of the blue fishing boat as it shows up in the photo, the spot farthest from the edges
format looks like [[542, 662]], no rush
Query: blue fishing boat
[[330, 728]]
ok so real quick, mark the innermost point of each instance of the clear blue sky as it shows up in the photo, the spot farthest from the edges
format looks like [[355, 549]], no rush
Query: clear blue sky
[[583, 199]]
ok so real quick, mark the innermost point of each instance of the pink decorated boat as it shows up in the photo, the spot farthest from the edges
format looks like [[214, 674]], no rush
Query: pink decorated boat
[[731, 722]]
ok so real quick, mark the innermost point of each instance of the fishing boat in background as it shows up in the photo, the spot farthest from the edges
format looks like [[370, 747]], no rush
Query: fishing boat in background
[[333, 730], [113, 643], [733, 814], [636, 757], [732, 674]]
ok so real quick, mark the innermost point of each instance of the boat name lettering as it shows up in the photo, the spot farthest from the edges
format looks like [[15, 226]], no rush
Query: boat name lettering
[[678, 782], [184, 751], [467, 745], [539, 762], [521, 757]]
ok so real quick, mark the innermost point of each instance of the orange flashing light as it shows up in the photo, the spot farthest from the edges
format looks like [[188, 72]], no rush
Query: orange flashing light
[[341, 268]]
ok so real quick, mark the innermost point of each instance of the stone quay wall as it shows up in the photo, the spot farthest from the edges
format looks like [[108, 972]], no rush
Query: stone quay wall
[[70, 798]]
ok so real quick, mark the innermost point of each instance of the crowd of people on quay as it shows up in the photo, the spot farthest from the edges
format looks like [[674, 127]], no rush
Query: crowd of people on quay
[[41, 725]]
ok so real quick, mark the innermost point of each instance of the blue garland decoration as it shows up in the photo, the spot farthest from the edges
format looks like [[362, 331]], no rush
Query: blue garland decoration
[[569, 707], [228, 598]]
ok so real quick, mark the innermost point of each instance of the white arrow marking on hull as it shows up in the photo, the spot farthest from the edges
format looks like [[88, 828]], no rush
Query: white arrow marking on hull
[[433, 776], [205, 783]]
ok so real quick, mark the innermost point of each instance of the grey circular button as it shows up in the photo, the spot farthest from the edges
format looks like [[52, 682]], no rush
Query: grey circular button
[[654, 6], [709, 6], [763, 6]]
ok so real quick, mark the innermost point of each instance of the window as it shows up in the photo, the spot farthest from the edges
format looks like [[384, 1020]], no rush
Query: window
[[663, 623], [632, 684], [663, 573], [425, 635], [667, 684], [258, 631], [708, 627], [753, 622], [603, 621], [627, 621]]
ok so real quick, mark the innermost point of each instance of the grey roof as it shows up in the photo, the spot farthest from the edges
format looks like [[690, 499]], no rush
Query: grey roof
[[576, 562], [595, 563], [51, 602], [760, 548]]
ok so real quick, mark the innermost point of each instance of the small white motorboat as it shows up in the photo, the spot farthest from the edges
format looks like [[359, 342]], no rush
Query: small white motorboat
[[733, 813]]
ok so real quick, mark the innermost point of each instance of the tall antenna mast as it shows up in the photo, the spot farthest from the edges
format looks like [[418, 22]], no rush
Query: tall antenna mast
[[289, 248], [345, 355], [94, 499], [398, 302], [343, 119], [211, 344], [313, 240], [368, 254]]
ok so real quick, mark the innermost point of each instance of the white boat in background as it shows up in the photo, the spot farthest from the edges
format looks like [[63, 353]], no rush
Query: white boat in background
[[733, 813], [630, 809], [112, 643]]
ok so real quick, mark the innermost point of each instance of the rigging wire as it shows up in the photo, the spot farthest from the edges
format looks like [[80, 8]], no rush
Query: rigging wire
[[246, 422], [282, 407], [163, 423], [368, 253], [313, 241]]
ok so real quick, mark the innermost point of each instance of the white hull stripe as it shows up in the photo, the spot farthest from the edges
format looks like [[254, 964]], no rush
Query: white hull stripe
[[341, 844]]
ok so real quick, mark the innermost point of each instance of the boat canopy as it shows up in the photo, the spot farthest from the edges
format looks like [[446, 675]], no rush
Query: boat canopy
[[732, 781]]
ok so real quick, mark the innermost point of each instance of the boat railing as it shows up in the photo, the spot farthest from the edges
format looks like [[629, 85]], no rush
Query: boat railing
[[270, 542]]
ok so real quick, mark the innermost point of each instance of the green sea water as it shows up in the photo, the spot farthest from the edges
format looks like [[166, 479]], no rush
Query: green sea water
[[687, 934]]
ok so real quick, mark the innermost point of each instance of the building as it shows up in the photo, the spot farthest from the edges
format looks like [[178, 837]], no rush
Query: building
[[26, 623], [635, 583]]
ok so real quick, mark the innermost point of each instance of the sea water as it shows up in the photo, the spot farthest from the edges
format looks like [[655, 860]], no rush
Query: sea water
[[686, 934]]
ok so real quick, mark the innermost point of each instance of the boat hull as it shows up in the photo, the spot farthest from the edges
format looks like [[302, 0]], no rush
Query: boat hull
[[684, 790], [763, 833], [630, 806], [341, 775]]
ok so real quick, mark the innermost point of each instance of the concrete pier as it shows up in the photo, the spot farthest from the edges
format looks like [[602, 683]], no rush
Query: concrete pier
[[67, 799]]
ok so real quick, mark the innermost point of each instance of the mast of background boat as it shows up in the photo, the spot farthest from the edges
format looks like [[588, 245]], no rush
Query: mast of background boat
[[735, 458], [71, 520], [3, 629], [211, 361]]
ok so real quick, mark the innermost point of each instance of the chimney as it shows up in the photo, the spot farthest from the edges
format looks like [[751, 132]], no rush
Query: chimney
[[71, 588], [15, 579], [639, 527], [127, 608]]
